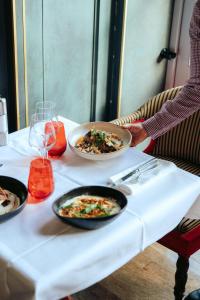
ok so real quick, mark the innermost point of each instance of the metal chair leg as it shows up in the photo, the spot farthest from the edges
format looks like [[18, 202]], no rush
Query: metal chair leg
[[182, 266]]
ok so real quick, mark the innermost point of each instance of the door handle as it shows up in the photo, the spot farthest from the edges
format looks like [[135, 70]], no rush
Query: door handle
[[167, 54]]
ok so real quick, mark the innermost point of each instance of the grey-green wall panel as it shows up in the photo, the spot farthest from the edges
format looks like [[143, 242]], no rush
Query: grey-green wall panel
[[67, 47], [147, 32], [68, 32], [20, 57], [34, 53]]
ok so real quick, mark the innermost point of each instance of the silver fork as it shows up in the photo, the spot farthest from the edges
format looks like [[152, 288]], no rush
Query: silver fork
[[141, 169], [136, 173], [134, 178]]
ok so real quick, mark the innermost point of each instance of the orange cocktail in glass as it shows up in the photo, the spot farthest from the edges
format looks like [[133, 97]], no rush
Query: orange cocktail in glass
[[61, 144], [40, 182]]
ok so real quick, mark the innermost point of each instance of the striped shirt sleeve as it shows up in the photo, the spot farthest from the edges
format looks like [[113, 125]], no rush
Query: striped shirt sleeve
[[188, 100]]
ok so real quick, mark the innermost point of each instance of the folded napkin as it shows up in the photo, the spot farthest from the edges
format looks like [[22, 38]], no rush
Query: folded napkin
[[133, 184]]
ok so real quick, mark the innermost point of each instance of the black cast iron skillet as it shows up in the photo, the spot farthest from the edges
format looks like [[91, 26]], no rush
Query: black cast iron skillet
[[91, 223], [17, 187]]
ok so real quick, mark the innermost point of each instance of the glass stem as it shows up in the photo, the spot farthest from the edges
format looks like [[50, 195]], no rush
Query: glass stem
[[44, 154]]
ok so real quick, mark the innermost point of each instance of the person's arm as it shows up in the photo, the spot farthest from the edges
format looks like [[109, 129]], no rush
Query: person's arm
[[188, 100], [138, 133]]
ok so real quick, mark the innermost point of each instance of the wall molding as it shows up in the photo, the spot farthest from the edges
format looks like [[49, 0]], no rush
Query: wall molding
[[25, 61], [16, 62]]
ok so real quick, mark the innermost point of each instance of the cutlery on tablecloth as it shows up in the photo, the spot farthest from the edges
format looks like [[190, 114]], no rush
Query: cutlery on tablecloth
[[137, 172]]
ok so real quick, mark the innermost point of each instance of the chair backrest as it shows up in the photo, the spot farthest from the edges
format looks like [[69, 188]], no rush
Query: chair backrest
[[181, 142]]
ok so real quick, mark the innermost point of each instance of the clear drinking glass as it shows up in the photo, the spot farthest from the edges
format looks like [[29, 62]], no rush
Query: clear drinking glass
[[42, 134], [45, 106], [61, 143], [41, 137]]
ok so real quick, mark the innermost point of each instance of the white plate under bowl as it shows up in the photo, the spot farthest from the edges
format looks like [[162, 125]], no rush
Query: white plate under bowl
[[81, 130]]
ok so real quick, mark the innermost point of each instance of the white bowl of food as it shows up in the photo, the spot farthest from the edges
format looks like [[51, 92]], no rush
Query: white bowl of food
[[99, 140]]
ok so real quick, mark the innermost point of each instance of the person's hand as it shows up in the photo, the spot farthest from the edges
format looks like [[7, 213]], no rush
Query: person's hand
[[138, 133]]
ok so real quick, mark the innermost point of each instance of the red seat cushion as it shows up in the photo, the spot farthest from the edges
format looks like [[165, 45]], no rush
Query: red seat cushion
[[184, 244]]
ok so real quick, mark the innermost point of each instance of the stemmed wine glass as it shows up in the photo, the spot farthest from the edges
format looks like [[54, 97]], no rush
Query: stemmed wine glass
[[41, 137]]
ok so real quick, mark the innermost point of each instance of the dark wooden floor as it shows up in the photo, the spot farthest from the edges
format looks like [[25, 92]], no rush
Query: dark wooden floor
[[149, 276]]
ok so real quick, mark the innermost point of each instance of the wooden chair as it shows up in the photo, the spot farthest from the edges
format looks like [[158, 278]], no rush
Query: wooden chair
[[182, 146]]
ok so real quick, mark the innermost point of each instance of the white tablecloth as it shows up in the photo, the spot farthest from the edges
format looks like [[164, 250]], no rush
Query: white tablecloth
[[42, 258]]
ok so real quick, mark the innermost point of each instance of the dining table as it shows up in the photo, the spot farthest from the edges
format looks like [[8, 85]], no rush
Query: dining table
[[42, 258]]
